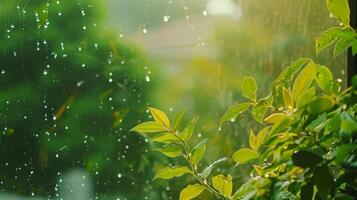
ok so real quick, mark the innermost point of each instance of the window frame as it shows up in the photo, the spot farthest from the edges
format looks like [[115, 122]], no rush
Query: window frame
[[352, 60]]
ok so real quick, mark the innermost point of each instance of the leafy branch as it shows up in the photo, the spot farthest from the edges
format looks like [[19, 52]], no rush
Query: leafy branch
[[176, 145], [307, 144]]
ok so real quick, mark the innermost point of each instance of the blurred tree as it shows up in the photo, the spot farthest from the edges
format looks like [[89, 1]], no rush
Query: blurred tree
[[69, 91]]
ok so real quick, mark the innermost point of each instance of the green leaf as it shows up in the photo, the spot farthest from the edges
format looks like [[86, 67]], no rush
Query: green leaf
[[348, 124], [191, 191], [323, 181], [252, 141], [188, 131], [261, 136], [324, 78], [307, 191], [320, 105], [285, 78], [177, 119], [304, 79], [170, 151], [171, 172], [249, 88], [275, 118], [245, 189], [207, 171], [354, 47], [198, 152], [149, 127], [268, 101], [334, 124], [258, 112], [326, 39], [307, 97], [255, 141], [343, 196], [306, 159], [288, 73], [288, 99], [235, 111], [223, 184], [342, 45], [340, 9], [160, 117], [318, 123], [245, 155], [165, 138], [343, 152]]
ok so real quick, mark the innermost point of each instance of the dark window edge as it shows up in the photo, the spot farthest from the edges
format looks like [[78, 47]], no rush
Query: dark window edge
[[352, 60]]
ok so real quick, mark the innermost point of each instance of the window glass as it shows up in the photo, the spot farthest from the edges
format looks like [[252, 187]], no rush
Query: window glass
[[76, 75]]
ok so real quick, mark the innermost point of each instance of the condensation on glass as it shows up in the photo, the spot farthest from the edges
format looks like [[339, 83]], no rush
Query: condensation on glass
[[76, 75]]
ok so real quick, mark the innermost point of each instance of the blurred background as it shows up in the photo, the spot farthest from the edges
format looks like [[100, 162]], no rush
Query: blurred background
[[76, 75]]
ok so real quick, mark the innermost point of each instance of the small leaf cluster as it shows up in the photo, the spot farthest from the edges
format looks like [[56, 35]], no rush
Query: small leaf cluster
[[176, 143], [343, 36], [306, 146]]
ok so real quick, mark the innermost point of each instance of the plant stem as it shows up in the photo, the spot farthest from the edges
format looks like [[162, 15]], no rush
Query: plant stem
[[195, 173]]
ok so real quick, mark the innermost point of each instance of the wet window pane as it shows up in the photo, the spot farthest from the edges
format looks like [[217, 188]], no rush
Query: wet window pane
[[76, 75]]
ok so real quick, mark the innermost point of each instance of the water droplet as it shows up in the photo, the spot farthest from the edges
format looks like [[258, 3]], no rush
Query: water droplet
[[166, 18]]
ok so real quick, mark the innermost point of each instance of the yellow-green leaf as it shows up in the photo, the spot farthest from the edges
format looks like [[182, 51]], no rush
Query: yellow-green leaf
[[223, 184], [160, 117], [252, 140], [249, 88], [245, 155], [166, 138], [340, 9], [324, 78], [304, 79], [342, 45], [188, 131], [235, 111], [191, 191], [288, 99], [177, 119], [326, 39], [198, 152], [320, 105], [149, 127], [260, 138], [275, 118], [171, 172], [170, 151], [258, 112], [306, 97]]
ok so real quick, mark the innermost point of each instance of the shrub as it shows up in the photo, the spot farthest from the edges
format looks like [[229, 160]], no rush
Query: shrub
[[306, 147]]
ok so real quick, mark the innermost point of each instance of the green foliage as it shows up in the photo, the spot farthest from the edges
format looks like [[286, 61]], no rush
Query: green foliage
[[249, 88], [306, 146], [191, 191], [245, 155], [171, 172], [343, 37], [68, 97], [340, 9]]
